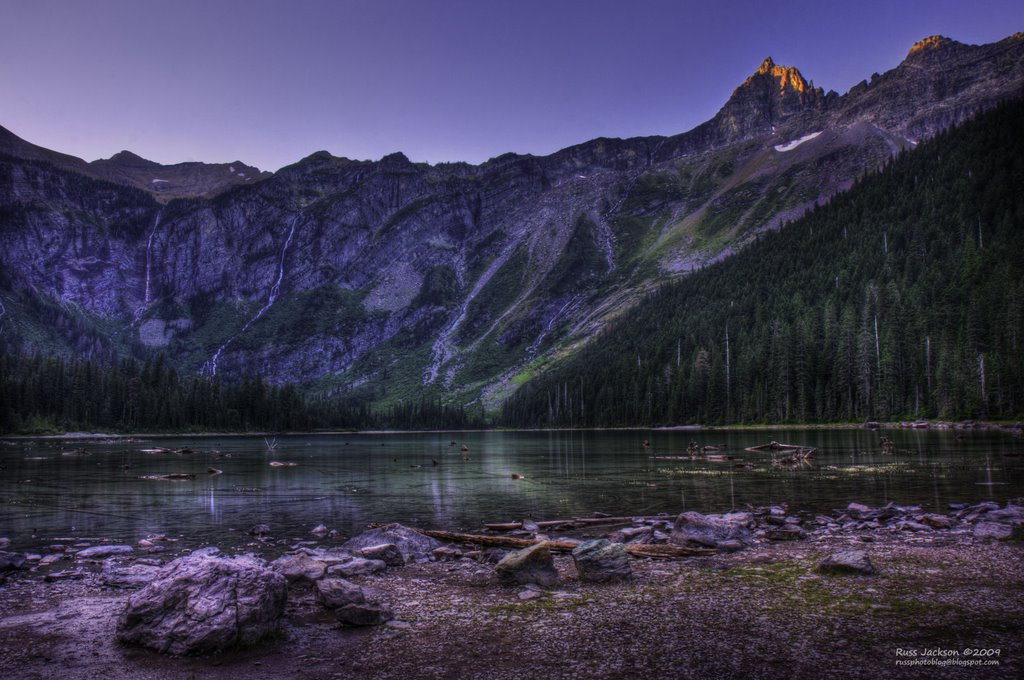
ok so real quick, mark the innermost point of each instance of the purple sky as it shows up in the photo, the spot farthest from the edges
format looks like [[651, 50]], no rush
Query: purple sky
[[268, 82]]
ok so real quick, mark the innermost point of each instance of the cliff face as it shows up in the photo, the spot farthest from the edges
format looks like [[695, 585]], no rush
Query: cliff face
[[390, 277]]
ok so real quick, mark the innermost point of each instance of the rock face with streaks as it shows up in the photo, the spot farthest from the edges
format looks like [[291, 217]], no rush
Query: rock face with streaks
[[200, 604], [455, 275]]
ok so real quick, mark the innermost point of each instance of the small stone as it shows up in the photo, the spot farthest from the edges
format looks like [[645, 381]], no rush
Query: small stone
[[364, 614], [993, 531], [526, 595], [356, 566], [10, 561], [529, 565], [337, 592], [936, 521], [298, 568], [857, 510], [847, 562], [259, 531], [446, 553], [128, 576], [909, 525], [4, 541], [787, 532], [319, 530], [103, 551]]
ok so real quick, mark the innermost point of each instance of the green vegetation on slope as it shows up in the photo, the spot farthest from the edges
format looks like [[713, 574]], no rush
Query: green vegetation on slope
[[901, 298]]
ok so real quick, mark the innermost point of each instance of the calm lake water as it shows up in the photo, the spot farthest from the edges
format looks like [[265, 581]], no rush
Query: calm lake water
[[348, 481]]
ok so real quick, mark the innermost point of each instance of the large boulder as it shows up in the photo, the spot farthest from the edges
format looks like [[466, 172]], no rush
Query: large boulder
[[410, 544], [854, 562], [201, 603], [529, 565], [600, 561], [695, 529]]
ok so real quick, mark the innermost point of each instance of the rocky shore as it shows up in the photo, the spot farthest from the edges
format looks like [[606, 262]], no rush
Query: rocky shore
[[780, 594]]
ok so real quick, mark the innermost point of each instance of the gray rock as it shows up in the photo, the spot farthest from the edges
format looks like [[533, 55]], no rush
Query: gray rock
[[11, 561], [410, 543], [937, 521], [1007, 514], [128, 576], [601, 561], [858, 510], [847, 562], [356, 566], [319, 530], [337, 592], [529, 565], [200, 604], [100, 552], [993, 531], [786, 532], [364, 614], [693, 528], [259, 531], [388, 553], [910, 525], [299, 568], [446, 553], [4, 541]]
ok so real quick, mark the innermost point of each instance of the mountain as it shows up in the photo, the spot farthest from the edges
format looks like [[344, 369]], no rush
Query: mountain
[[164, 182], [389, 279], [903, 298]]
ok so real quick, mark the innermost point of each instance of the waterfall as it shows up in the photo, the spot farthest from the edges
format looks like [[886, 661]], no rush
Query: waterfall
[[210, 367]]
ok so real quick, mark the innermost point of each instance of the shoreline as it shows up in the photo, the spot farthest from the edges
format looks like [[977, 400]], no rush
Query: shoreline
[[1014, 427], [762, 611]]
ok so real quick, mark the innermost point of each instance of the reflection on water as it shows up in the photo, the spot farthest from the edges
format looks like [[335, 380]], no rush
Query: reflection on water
[[348, 481]]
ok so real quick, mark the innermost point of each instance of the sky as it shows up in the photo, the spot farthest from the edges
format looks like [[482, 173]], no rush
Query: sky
[[268, 82]]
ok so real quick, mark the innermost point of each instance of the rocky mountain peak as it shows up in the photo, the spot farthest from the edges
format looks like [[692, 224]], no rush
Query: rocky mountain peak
[[932, 42], [788, 77], [773, 94]]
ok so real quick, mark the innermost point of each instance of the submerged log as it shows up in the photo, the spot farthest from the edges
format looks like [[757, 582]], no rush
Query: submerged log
[[656, 551]]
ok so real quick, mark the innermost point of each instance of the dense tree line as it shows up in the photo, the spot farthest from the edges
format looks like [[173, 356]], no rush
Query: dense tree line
[[55, 394], [902, 298]]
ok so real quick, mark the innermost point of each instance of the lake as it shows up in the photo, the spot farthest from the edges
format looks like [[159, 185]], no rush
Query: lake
[[347, 481]]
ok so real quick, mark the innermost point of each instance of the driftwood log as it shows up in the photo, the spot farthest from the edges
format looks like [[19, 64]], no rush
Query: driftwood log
[[636, 550], [776, 446], [576, 521]]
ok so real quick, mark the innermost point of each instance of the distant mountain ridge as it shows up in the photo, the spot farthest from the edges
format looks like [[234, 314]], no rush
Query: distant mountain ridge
[[165, 182], [388, 279]]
